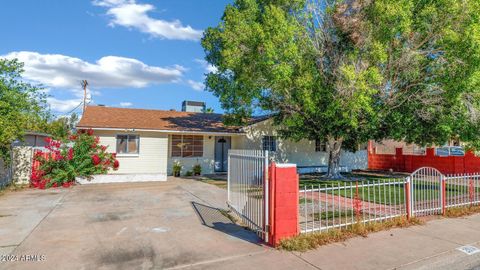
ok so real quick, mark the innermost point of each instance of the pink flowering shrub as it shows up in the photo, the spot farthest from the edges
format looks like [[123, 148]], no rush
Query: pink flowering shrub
[[79, 155]]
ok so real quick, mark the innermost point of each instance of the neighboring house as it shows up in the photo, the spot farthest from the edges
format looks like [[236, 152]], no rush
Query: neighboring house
[[32, 139], [150, 141]]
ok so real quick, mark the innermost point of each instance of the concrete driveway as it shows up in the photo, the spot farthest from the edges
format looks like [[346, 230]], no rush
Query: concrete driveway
[[177, 225], [173, 224]]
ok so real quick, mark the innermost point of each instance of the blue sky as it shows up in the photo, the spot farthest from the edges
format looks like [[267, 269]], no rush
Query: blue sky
[[134, 53]]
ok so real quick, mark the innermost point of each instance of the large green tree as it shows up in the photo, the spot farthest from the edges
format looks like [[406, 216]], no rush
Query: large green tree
[[22, 106], [61, 127], [353, 70]]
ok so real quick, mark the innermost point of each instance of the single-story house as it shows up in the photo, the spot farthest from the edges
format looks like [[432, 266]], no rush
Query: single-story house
[[150, 141]]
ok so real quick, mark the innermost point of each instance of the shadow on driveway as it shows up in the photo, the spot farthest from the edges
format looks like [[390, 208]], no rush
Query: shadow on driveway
[[213, 218]]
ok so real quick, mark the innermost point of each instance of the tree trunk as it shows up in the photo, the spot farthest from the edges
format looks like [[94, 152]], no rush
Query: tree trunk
[[334, 148]]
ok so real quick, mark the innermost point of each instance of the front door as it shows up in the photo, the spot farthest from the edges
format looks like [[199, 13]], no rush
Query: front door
[[222, 145]]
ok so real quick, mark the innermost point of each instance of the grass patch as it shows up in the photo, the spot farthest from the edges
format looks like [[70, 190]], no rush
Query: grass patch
[[393, 194], [12, 187], [219, 183], [304, 242], [330, 215], [461, 211], [316, 179]]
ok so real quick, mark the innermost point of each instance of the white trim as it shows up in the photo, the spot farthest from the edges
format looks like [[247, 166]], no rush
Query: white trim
[[122, 178], [128, 155], [165, 131], [286, 165], [254, 124]]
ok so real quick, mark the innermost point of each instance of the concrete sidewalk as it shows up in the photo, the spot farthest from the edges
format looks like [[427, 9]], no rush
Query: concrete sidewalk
[[177, 225], [431, 246]]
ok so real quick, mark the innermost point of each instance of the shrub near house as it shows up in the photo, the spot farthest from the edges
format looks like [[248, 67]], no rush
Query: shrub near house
[[79, 155]]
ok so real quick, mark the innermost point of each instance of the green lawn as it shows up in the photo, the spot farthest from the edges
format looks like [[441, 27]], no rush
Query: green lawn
[[386, 194], [330, 215], [393, 194], [305, 200], [316, 179]]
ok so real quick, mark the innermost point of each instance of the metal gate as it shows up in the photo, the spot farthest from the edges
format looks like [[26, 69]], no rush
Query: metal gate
[[248, 188], [426, 185]]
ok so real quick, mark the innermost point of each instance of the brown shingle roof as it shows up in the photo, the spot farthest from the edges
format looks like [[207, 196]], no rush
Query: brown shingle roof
[[108, 117]]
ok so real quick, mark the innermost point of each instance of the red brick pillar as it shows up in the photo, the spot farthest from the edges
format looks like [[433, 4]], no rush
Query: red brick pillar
[[284, 202]]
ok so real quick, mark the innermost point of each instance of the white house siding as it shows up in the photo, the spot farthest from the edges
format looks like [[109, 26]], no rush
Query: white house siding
[[152, 157], [155, 155], [301, 153]]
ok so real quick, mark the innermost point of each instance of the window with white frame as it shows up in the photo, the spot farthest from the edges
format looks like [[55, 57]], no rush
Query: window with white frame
[[128, 144], [320, 146], [269, 143], [187, 146]]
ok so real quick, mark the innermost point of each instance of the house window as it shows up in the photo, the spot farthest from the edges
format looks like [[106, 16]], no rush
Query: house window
[[269, 143], [187, 146], [320, 146], [127, 144]]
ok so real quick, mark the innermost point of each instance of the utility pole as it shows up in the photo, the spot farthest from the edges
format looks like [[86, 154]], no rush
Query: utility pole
[[84, 86]]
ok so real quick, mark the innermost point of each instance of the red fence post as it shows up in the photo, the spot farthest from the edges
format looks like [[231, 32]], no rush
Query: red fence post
[[270, 202], [284, 202], [408, 198], [444, 195]]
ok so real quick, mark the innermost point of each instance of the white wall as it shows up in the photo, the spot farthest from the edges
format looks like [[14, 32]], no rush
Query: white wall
[[301, 153], [22, 164], [155, 155], [152, 157]]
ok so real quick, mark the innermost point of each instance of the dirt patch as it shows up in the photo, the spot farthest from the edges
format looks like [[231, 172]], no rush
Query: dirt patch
[[128, 258], [39, 194], [184, 258], [112, 216], [12, 188]]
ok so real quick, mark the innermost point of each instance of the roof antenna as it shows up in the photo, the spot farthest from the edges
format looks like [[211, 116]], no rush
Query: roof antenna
[[84, 86]]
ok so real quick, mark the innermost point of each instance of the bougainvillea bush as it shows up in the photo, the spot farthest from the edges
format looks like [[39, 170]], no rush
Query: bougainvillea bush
[[79, 155]]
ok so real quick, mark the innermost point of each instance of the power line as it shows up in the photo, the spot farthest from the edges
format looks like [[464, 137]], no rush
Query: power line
[[75, 108]]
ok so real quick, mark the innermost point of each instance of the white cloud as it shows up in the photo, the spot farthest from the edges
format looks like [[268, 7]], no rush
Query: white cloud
[[126, 104], [63, 105], [68, 105], [61, 71], [130, 14], [209, 68], [199, 86]]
